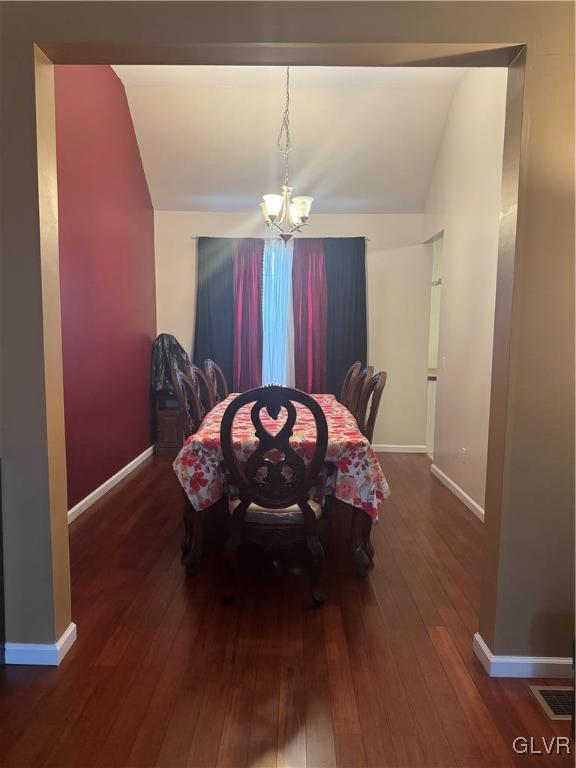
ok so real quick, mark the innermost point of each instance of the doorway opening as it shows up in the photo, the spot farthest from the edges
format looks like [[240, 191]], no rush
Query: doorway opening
[[433, 339], [373, 55]]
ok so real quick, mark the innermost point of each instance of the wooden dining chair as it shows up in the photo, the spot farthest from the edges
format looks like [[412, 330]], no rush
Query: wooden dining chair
[[361, 382], [349, 381], [280, 497], [371, 395], [202, 386], [217, 380], [192, 413], [191, 410]]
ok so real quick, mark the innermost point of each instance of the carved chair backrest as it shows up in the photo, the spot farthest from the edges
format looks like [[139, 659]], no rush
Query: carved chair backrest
[[217, 380], [375, 404], [372, 394], [188, 402], [274, 475], [361, 381], [349, 381], [202, 386]]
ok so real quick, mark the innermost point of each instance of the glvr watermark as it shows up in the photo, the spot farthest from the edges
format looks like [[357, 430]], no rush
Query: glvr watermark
[[531, 745]]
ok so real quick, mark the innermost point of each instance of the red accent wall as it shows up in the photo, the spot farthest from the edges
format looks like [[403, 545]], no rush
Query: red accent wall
[[107, 278]]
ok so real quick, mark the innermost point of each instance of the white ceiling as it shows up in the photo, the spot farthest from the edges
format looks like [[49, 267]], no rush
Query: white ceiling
[[365, 139]]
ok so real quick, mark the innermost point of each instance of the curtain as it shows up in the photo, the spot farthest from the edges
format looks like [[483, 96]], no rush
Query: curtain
[[277, 314], [310, 315], [247, 335], [345, 262], [214, 329], [262, 324]]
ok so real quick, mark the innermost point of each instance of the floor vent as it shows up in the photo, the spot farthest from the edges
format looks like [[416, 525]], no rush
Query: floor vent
[[556, 700]]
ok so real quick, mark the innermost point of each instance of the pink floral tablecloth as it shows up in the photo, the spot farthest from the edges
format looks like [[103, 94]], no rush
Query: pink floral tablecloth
[[357, 480]]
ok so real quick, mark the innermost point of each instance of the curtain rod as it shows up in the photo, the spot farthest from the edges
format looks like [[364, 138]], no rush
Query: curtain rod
[[344, 237]]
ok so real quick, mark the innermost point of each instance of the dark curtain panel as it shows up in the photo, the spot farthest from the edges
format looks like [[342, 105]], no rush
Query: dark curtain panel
[[310, 315], [214, 331], [247, 258], [345, 264]]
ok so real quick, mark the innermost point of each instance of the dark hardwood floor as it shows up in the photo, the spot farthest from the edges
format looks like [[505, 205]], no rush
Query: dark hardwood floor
[[162, 674]]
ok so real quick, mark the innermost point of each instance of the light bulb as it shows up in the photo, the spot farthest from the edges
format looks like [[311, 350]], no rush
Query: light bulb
[[273, 205], [303, 205], [294, 215], [267, 218]]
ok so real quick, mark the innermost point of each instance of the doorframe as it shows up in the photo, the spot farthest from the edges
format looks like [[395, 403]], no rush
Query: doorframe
[[381, 55], [65, 36]]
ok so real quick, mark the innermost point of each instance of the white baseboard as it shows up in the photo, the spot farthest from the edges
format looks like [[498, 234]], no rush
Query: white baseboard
[[40, 654], [472, 505], [520, 666], [96, 494], [399, 448]]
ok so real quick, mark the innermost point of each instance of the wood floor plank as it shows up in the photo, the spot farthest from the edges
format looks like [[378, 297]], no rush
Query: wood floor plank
[[349, 750], [488, 735], [344, 710], [319, 727], [466, 750], [376, 734], [399, 631], [401, 723], [264, 724], [292, 699]]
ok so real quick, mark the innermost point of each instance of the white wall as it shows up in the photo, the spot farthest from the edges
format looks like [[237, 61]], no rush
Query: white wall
[[399, 272], [464, 201], [176, 267]]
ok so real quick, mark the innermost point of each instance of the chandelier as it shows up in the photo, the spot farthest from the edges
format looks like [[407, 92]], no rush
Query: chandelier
[[283, 212]]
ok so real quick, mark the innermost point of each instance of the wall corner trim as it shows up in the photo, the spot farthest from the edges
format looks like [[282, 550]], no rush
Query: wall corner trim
[[385, 448], [472, 505], [41, 654], [521, 666], [106, 486]]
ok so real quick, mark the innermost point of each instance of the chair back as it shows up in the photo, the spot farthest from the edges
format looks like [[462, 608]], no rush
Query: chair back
[[361, 381], [188, 402], [202, 386], [217, 380], [274, 475], [349, 381], [372, 394]]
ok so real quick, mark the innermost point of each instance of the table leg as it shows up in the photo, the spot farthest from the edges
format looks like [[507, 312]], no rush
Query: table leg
[[368, 524], [193, 543], [362, 549]]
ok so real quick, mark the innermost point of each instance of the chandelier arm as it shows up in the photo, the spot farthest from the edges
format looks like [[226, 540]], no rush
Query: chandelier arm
[[276, 226]]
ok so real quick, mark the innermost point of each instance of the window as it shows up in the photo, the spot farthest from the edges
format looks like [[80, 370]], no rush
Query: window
[[277, 314]]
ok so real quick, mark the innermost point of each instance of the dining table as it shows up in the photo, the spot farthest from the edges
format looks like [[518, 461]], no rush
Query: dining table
[[354, 476]]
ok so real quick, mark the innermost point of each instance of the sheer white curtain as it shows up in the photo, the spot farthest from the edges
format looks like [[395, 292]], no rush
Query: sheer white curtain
[[277, 314]]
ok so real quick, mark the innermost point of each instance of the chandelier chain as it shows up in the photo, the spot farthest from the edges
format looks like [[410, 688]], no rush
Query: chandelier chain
[[284, 140], [281, 212]]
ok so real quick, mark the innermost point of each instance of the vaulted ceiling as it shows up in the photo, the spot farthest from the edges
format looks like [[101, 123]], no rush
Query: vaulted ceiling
[[365, 139]]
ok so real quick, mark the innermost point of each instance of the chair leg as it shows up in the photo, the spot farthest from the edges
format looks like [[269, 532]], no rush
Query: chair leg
[[360, 554], [366, 541], [188, 529], [317, 558], [193, 544], [316, 553], [231, 554]]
